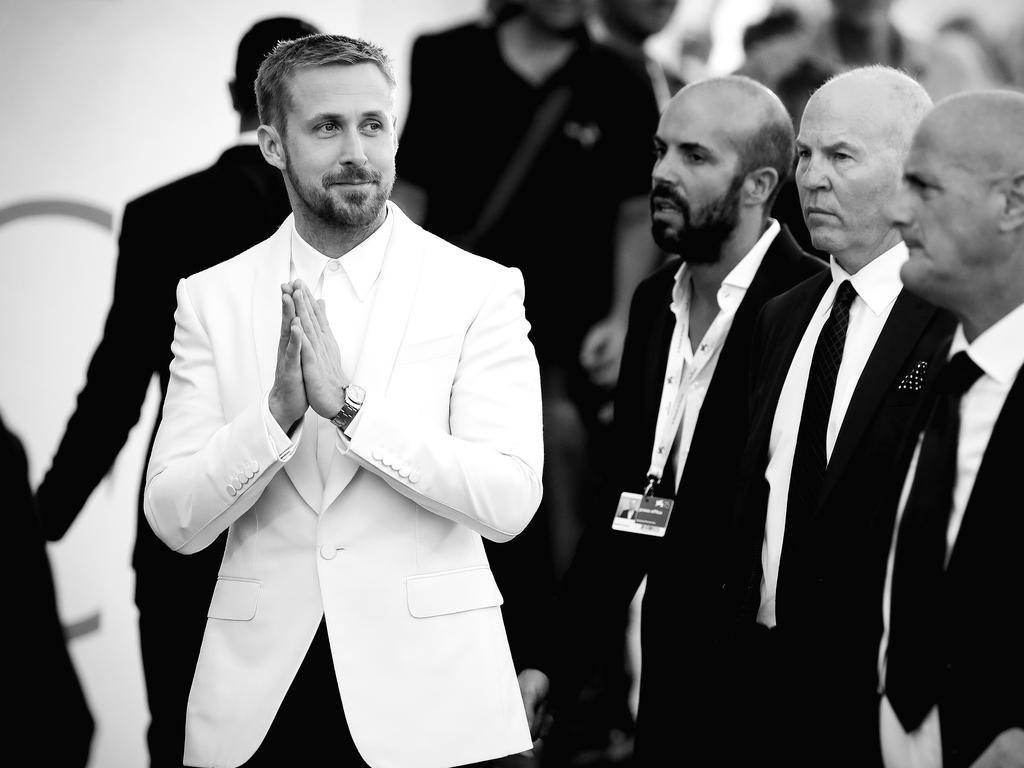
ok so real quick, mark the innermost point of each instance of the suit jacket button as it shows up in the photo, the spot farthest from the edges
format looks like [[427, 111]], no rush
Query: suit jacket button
[[414, 477], [231, 490]]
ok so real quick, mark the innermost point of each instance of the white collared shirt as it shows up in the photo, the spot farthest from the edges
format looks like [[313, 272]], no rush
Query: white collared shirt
[[1000, 355], [348, 286], [877, 284], [689, 371]]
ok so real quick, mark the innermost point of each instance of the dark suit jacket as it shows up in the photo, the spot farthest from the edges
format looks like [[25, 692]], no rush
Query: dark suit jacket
[[981, 691], [682, 568], [831, 572], [167, 234], [40, 679]]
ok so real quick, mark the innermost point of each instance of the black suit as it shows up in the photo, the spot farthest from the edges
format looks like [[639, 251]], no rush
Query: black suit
[[981, 689], [830, 577], [167, 234], [682, 568]]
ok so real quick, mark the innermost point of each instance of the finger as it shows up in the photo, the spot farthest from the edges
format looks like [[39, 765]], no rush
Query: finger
[[294, 345], [313, 308], [286, 322], [303, 312], [289, 306], [320, 309]]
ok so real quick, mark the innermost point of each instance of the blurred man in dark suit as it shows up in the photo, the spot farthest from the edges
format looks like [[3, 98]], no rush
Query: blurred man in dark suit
[[237, 202], [51, 715], [950, 660]]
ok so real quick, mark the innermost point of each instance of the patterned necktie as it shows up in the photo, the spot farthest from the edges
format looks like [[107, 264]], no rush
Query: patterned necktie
[[809, 461], [913, 661]]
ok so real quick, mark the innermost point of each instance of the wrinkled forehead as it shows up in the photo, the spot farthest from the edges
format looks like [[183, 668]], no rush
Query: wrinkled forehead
[[850, 118]]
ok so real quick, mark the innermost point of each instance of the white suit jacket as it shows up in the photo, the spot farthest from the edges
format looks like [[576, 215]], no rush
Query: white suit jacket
[[447, 447]]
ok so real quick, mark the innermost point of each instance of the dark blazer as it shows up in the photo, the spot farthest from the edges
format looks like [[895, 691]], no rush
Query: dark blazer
[[682, 568], [981, 691], [830, 576], [50, 712], [167, 234]]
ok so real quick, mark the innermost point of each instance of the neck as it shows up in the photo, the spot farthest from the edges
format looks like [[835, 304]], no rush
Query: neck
[[707, 278], [853, 260], [1002, 294], [332, 240], [866, 42]]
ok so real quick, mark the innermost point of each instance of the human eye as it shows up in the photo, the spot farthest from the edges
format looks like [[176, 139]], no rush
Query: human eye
[[327, 128], [373, 126]]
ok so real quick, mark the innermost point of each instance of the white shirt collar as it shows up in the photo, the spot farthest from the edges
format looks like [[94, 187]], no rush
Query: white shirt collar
[[878, 282], [997, 351], [362, 264], [740, 277]]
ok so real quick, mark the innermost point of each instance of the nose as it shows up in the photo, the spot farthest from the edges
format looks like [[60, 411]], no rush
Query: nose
[[811, 172], [663, 171], [351, 148]]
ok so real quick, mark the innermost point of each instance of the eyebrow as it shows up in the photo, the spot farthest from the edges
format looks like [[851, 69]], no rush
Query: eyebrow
[[842, 146], [685, 146], [337, 117]]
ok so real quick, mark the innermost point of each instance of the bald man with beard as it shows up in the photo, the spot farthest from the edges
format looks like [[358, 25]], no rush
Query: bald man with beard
[[950, 658], [839, 366], [722, 148]]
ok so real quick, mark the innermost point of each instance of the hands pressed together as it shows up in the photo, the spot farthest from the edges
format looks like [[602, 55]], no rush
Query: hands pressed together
[[309, 373]]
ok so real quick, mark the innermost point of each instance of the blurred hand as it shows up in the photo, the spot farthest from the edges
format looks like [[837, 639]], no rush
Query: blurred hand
[[321, 358], [288, 395], [1005, 751], [534, 687], [601, 351]]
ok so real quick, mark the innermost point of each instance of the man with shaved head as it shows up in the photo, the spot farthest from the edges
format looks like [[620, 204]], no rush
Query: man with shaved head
[[950, 660], [722, 148], [839, 364]]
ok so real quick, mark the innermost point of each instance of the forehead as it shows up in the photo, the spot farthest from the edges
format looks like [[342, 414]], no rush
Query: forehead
[[339, 88], [704, 118], [845, 115]]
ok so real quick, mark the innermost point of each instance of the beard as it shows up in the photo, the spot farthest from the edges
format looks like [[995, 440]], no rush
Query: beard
[[699, 240], [357, 209]]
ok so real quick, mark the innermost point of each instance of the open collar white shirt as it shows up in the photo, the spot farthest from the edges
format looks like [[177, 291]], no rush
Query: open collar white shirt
[[1000, 355], [878, 285], [689, 371], [348, 286]]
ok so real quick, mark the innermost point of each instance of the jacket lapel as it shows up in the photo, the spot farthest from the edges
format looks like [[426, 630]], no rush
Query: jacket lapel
[[399, 280], [907, 321], [271, 271]]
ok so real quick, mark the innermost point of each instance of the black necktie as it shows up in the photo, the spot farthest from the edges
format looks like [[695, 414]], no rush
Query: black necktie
[[809, 460], [913, 660]]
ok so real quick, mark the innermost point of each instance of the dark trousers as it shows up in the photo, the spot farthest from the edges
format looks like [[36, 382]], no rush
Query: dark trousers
[[310, 727]]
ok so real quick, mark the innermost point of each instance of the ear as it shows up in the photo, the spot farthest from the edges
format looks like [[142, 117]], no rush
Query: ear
[[759, 185], [272, 146], [1011, 190]]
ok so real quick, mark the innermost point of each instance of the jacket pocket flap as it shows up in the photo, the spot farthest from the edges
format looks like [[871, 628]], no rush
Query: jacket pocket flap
[[436, 594], [234, 599]]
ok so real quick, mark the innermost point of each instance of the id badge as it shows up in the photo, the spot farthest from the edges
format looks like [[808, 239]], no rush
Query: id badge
[[647, 515]]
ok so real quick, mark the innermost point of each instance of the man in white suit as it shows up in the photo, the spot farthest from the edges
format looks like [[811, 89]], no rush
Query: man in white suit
[[357, 469]]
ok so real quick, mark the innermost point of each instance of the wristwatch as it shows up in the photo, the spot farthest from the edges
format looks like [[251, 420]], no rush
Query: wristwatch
[[354, 396]]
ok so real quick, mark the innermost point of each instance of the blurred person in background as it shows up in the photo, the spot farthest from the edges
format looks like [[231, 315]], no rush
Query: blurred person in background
[[553, 181], [857, 33], [50, 713], [167, 234], [626, 25]]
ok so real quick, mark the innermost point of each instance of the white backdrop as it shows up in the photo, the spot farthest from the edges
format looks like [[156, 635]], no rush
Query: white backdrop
[[101, 101]]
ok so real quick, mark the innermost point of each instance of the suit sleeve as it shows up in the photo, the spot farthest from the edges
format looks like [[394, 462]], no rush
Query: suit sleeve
[[205, 471], [118, 377], [485, 474]]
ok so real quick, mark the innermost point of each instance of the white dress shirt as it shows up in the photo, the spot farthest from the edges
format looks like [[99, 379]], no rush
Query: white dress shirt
[[1000, 355], [348, 286], [877, 285], [689, 371]]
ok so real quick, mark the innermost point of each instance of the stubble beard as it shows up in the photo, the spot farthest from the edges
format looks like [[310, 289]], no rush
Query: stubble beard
[[356, 209]]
